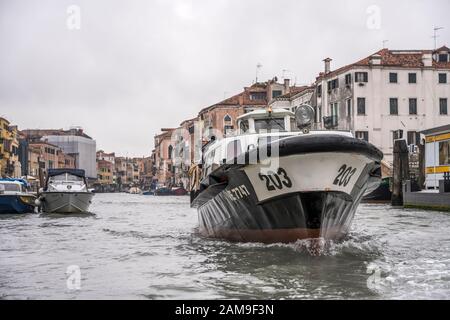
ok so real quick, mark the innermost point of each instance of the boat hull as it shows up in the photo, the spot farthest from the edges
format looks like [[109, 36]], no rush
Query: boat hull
[[12, 204], [306, 195], [236, 214], [66, 202]]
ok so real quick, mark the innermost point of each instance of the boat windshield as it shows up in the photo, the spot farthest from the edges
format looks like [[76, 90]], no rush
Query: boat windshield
[[269, 125], [66, 177], [11, 187]]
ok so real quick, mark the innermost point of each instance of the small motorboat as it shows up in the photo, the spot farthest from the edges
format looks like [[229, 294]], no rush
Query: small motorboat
[[14, 196], [65, 191], [179, 191], [381, 194], [134, 190], [174, 191], [272, 182], [162, 191]]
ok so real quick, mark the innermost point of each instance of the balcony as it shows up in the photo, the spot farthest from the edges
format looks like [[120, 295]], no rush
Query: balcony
[[330, 122]]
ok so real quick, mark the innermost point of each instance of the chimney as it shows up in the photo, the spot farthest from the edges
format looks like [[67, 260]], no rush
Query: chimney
[[287, 87], [427, 59], [327, 65], [375, 60]]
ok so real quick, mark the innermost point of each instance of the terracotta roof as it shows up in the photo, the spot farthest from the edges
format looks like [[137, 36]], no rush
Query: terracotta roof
[[293, 92], [240, 99], [393, 58], [38, 133], [443, 48], [188, 120], [166, 132], [243, 98], [42, 142]]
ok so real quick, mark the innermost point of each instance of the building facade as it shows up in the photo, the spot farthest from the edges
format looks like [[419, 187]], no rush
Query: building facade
[[177, 148], [385, 96], [163, 157], [105, 173], [10, 165], [48, 154], [73, 142]]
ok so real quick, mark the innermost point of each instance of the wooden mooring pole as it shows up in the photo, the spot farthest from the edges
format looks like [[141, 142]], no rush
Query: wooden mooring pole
[[421, 180], [400, 171]]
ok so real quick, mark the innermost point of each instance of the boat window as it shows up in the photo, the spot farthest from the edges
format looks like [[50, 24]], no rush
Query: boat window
[[293, 124], [11, 187], [243, 126], [233, 149], [268, 125]]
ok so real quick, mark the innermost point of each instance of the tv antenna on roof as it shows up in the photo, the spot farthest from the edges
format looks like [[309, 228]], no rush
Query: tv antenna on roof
[[258, 68], [384, 43], [435, 35]]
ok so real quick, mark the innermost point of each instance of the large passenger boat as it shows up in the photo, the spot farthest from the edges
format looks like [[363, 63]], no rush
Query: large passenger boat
[[276, 180]]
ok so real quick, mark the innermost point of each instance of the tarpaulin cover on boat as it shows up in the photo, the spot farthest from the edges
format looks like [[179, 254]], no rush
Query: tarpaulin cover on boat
[[75, 172]]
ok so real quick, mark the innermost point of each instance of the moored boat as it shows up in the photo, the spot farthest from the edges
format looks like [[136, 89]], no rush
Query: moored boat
[[14, 196], [275, 183], [174, 191], [65, 191], [381, 194], [134, 190]]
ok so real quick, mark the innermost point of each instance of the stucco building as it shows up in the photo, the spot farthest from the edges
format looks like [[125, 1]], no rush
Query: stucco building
[[388, 91], [10, 165]]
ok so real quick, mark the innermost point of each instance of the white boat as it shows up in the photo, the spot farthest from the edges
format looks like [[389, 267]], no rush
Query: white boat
[[135, 190], [65, 191], [273, 182]]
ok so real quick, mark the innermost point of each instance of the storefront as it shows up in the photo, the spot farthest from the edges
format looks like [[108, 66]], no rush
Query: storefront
[[437, 155]]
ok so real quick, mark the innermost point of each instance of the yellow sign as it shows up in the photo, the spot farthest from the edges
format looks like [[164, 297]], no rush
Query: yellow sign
[[439, 137], [440, 169]]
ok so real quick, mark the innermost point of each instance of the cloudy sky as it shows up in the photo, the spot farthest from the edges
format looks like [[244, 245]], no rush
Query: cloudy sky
[[135, 66]]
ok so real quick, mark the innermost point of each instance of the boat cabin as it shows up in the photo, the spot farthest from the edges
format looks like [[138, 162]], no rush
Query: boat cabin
[[267, 120], [12, 186], [257, 128], [66, 180]]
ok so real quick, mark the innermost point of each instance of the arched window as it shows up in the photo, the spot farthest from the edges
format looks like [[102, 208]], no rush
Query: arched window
[[227, 124], [170, 151]]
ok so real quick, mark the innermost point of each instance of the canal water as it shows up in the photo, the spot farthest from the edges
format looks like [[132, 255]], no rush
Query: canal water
[[146, 247]]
